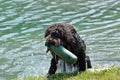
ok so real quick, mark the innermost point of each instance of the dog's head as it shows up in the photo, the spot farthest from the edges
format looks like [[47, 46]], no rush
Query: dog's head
[[60, 34], [53, 37], [54, 34]]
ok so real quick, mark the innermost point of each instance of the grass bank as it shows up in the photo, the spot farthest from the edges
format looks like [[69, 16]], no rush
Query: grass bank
[[105, 74]]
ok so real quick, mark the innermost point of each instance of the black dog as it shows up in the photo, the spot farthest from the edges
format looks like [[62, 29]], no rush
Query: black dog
[[65, 35]]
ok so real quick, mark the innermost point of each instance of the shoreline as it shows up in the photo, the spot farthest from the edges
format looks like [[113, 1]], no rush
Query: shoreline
[[110, 73]]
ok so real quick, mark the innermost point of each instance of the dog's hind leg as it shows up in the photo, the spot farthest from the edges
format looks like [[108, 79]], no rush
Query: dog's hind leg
[[81, 62], [88, 62]]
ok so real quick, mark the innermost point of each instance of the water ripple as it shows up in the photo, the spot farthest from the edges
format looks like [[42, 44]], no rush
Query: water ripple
[[5, 37], [31, 30]]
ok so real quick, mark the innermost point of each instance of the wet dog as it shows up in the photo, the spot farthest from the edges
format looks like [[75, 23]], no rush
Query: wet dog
[[66, 35]]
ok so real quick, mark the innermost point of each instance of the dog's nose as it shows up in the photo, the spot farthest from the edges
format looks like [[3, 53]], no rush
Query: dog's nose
[[48, 38]]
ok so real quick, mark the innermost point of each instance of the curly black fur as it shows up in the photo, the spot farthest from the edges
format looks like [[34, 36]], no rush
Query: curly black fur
[[66, 35]]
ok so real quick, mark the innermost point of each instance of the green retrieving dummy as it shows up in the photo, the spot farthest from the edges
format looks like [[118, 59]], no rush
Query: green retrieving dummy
[[63, 53]]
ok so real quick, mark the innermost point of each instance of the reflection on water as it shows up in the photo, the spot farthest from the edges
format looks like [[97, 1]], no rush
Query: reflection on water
[[22, 26]]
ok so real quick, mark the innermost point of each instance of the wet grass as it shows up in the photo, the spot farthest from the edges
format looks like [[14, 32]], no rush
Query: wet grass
[[105, 74]]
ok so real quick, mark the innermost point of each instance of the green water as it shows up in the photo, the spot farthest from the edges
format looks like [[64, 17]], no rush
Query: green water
[[22, 26]]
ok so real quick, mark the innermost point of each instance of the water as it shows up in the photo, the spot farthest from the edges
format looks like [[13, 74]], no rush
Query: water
[[22, 26]]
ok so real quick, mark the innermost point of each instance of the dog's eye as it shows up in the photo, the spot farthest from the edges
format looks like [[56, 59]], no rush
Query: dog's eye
[[54, 35]]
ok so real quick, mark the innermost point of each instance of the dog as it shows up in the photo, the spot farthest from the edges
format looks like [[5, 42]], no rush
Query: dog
[[66, 35]]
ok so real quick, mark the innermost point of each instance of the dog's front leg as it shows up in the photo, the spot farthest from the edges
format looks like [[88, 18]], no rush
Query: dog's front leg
[[53, 66]]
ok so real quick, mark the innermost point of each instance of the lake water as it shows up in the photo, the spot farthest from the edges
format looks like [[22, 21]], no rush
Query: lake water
[[23, 23]]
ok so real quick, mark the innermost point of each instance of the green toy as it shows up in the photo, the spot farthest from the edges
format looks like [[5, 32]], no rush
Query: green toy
[[63, 53]]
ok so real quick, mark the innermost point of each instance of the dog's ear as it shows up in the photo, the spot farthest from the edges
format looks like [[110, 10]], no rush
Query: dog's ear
[[46, 33], [71, 36], [73, 31]]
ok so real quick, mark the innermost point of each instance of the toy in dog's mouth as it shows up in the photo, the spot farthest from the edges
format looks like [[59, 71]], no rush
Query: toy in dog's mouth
[[53, 42], [63, 53]]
